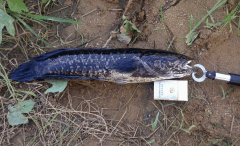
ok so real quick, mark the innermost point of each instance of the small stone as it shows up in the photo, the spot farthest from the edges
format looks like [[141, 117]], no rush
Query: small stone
[[215, 119], [204, 34], [141, 16], [198, 41], [67, 3], [112, 1]]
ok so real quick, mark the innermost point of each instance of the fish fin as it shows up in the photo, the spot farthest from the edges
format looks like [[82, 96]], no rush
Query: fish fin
[[125, 65], [48, 55], [65, 77], [25, 72], [55, 53], [59, 52], [120, 82], [149, 69]]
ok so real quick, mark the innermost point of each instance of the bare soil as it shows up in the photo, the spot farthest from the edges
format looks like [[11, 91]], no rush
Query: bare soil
[[129, 110]]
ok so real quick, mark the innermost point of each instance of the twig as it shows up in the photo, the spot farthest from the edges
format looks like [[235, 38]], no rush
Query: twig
[[146, 137], [59, 9], [26, 32], [157, 107], [114, 10], [169, 4], [82, 112], [10, 48], [231, 126], [119, 122], [118, 108], [4, 127], [22, 46], [131, 96], [135, 131], [128, 5], [113, 27], [105, 45], [78, 2], [170, 44], [91, 12], [81, 83]]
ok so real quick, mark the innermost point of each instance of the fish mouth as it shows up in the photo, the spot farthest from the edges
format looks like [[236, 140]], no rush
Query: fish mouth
[[188, 67]]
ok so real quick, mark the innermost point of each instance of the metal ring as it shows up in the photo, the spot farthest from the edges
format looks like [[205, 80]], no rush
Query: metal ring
[[204, 73]]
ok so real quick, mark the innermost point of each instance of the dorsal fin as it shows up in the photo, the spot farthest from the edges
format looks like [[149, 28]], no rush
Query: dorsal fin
[[60, 52], [48, 55]]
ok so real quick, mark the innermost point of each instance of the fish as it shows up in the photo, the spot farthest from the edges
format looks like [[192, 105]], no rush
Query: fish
[[121, 65]]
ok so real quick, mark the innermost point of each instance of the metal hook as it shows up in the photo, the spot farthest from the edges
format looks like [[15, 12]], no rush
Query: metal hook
[[204, 73]]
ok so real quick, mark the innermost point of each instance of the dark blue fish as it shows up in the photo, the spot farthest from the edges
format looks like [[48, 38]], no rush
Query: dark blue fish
[[114, 65]]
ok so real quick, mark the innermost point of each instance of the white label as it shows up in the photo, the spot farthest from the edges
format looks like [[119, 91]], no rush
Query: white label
[[171, 90]]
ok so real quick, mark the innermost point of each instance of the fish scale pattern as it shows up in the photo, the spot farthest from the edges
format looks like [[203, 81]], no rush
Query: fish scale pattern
[[114, 65]]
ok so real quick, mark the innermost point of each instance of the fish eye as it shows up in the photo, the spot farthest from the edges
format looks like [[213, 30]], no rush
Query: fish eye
[[183, 57]]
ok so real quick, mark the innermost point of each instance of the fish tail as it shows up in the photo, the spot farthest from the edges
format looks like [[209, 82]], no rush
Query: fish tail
[[25, 72]]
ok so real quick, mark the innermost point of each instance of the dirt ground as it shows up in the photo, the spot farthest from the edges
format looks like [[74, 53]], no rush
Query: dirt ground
[[126, 112]]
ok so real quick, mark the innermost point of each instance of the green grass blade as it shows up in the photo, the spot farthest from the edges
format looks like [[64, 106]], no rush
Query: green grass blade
[[235, 142], [228, 91], [44, 1], [160, 103], [151, 141], [192, 126], [239, 25], [217, 5], [190, 35], [155, 122], [51, 18], [32, 31], [34, 20], [225, 93], [212, 18], [4, 75], [161, 13], [27, 92], [238, 5], [191, 22], [74, 135], [230, 16]]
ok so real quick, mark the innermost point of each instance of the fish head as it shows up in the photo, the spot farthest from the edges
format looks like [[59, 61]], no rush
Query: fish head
[[184, 68], [173, 66]]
